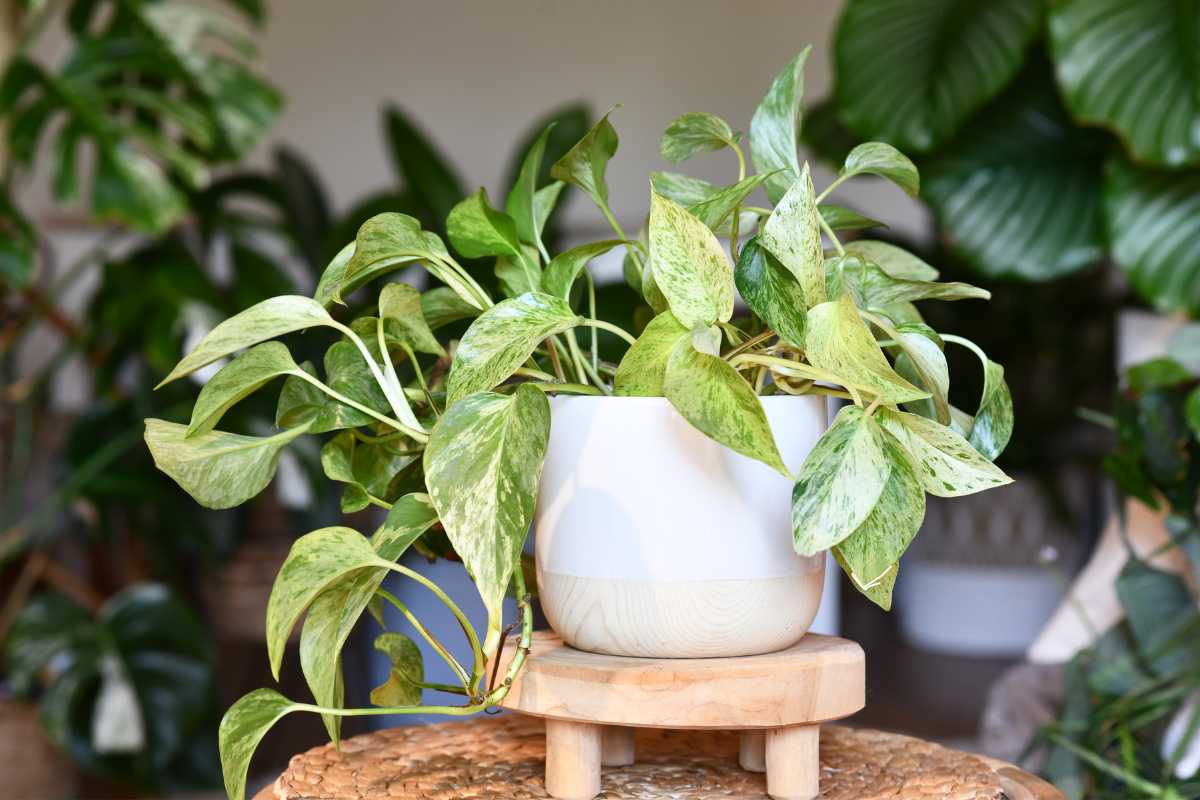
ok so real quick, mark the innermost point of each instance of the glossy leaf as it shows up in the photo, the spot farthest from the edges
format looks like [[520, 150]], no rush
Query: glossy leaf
[[401, 304], [874, 288], [793, 235], [718, 402], [772, 292], [994, 419], [238, 379], [129, 187], [644, 365], [218, 469], [840, 218], [242, 728], [717, 207], [483, 464], [895, 261], [476, 229], [689, 265], [1162, 615], [682, 189], [329, 285], [946, 464], [692, 133], [775, 129], [840, 482], [403, 684], [502, 338], [880, 158], [440, 306], [922, 362], [584, 165], [911, 72], [366, 469], [561, 272]]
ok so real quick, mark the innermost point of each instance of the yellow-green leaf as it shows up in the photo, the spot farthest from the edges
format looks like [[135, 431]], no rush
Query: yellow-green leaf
[[689, 265], [793, 235]]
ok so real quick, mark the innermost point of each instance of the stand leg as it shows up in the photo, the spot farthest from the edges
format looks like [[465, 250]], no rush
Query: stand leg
[[616, 746], [752, 754], [793, 762], [572, 759]]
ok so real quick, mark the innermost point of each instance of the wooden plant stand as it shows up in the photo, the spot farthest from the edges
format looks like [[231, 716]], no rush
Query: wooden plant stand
[[592, 703]]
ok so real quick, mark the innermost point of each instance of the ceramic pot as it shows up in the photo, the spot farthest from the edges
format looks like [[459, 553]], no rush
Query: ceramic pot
[[653, 540]]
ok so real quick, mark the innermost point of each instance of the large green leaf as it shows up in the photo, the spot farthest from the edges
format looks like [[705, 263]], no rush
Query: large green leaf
[[946, 463], [562, 271], [839, 342], [910, 72], [218, 469], [692, 133], [1162, 615], [644, 365], [400, 303], [48, 624], [238, 379], [242, 728], [403, 684], [266, 320], [870, 554], [1132, 67], [840, 482], [689, 265], [1017, 193], [718, 402], [584, 164], [1154, 224], [502, 338], [129, 187], [483, 464], [772, 292], [775, 128], [793, 235]]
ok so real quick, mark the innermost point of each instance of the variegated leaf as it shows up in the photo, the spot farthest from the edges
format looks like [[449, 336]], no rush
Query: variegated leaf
[[502, 338], [775, 128], [692, 133], [994, 419], [522, 202], [716, 208], [880, 158], [839, 483], [923, 363], [682, 189], [331, 279], [366, 469], [403, 684], [238, 379], [946, 463], [644, 365], [564, 268], [441, 305], [793, 235], [840, 218], [476, 229], [873, 288], [585, 163], [772, 292], [879, 592], [400, 303], [895, 261], [242, 728], [689, 265], [218, 469], [483, 464]]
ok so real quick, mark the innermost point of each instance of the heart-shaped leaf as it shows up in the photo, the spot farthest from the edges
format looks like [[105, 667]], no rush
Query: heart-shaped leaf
[[502, 338], [562, 271], [689, 134], [242, 728], [366, 469], [772, 292], [880, 158], [840, 218], [793, 235], [644, 365], [946, 463], [682, 189], [401, 303], [238, 379], [689, 265], [775, 129], [403, 684], [476, 229], [584, 164]]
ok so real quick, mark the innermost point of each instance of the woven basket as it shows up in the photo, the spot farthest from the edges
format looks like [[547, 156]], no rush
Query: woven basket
[[34, 769]]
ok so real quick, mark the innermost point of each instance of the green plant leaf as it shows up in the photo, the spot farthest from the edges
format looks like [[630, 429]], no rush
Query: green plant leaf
[[719, 403], [682, 189], [772, 292], [440, 306], [994, 420], [689, 265], [562, 271], [874, 288], [48, 624], [545, 200], [911, 73], [329, 285], [840, 482], [880, 158], [522, 203], [347, 374], [840, 218], [1154, 221], [476, 229], [793, 235], [401, 304], [775, 129], [502, 338], [241, 377], [838, 341], [584, 164], [129, 187], [895, 261], [483, 464], [946, 463], [871, 554], [644, 365], [242, 728], [218, 469], [403, 684], [716, 208], [692, 133], [266, 320], [922, 363], [1162, 615], [366, 469]]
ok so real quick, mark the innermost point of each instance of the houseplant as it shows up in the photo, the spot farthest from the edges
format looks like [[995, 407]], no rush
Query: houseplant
[[456, 436]]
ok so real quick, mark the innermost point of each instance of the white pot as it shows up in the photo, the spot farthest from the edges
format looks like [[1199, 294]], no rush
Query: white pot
[[653, 540]]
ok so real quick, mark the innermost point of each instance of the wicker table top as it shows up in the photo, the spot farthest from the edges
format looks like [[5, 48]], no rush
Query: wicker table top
[[503, 757]]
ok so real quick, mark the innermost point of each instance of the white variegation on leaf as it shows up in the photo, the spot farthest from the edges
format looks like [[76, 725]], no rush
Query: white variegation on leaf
[[793, 235], [584, 165], [772, 292], [692, 133], [476, 229], [238, 379], [689, 265], [775, 128], [895, 261], [880, 158], [875, 288], [994, 420], [400, 304], [242, 728], [564, 268], [331, 279], [682, 189], [644, 365], [946, 463], [922, 362], [839, 483], [716, 209]]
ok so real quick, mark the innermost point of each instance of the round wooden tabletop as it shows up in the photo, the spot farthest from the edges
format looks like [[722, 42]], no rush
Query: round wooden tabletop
[[503, 757]]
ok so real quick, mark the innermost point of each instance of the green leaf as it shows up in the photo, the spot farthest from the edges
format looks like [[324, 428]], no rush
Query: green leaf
[[238, 379], [839, 342], [840, 482], [1163, 616], [682, 189], [1109, 53], [403, 684], [420, 166], [440, 306], [218, 469], [692, 133], [772, 292], [719, 403], [522, 204], [644, 365], [871, 554], [562, 271], [775, 129], [584, 164], [946, 463], [502, 338], [895, 261], [302, 403], [840, 218], [545, 200], [689, 265], [911, 73], [266, 320], [476, 229], [401, 303], [793, 235], [716, 208], [330, 283], [48, 624], [880, 158], [17, 244], [1154, 221], [994, 419], [1192, 411], [347, 374], [483, 464], [366, 469], [242, 728], [874, 288], [922, 363], [128, 187]]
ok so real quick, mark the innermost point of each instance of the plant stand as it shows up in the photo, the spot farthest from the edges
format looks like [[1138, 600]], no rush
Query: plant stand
[[777, 701]]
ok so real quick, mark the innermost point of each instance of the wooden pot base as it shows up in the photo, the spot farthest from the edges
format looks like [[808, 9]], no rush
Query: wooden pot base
[[591, 703]]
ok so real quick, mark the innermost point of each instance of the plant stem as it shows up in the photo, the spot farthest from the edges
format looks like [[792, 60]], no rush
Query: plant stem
[[420, 436], [536, 374], [570, 388], [555, 362], [736, 221], [616, 226], [837, 245], [398, 402], [375, 501], [483, 301], [797, 369], [613, 329], [751, 342], [591, 288], [838, 181], [584, 365], [450, 660]]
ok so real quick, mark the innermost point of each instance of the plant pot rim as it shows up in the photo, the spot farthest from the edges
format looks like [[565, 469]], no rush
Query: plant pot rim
[[771, 399]]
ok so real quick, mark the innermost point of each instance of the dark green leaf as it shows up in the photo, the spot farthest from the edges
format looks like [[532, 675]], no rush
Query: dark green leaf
[[772, 292], [47, 625], [839, 218]]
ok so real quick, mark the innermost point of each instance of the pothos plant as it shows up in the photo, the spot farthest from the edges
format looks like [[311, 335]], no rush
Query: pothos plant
[[453, 433]]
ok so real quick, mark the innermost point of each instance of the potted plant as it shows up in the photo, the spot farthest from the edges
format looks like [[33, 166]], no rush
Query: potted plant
[[456, 434]]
